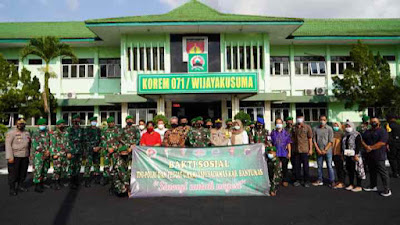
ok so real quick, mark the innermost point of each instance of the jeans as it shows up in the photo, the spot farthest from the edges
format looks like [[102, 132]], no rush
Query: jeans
[[301, 158], [378, 167], [328, 160]]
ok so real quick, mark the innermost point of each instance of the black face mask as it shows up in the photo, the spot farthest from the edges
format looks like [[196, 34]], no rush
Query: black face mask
[[183, 124], [124, 157], [174, 125], [218, 125], [374, 124], [198, 125], [129, 123], [21, 126], [229, 125], [289, 125], [209, 126], [62, 128]]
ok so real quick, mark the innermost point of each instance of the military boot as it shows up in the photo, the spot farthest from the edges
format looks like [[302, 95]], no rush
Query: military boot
[[74, 182], [87, 182], [57, 185], [38, 188], [104, 181]]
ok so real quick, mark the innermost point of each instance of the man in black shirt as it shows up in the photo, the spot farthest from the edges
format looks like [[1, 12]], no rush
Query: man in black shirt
[[393, 128], [374, 142]]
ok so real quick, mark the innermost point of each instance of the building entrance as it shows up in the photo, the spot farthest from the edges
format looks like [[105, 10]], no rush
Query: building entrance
[[207, 110]]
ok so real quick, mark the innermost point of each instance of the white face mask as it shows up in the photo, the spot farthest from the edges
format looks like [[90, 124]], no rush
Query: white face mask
[[323, 123], [270, 156], [300, 120], [141, 127], [42, 127], [160, 126], [279, 126], [93, 123], [349, 129], [237, 127]]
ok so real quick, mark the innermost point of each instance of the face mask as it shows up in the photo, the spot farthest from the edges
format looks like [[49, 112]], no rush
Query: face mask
[[75, 122], [237, 127], [42, 128], [229, 125], [209, 126], [279, 126], [323, 123], [218, 125], [198, 125], [300, 120], [129, 123], [160, 126], [374, 124], [174, 125], [259, 126], [94, 123], [141, 127], [289, 125], [270, 156], [61, 128], [21, 126], [349, 129], [150, 129], [336, 128]]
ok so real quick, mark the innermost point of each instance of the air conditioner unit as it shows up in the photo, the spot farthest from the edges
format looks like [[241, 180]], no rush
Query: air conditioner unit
[[320, 91], [309, 92], [71, 95]]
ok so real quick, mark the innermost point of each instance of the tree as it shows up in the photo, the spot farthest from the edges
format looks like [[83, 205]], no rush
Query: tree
[[19, 92], [367, 83], [244, 117], [47, 48]]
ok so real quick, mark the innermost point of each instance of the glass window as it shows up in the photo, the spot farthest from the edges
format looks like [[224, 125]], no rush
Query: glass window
[[250, 111], [155, 59], [162, 58], [110, 70], [134, 59], [341, 68], [73, 71], [314, 69], [305, 69], [103, 70], [129, 58], [82, 71], [307, 115], [90, 71], [248, 57], [277, 68], [297, 67], [142, 114], [148, 58], [141, 58], [228, 57], [35, 61], [285, 66], [241, 57], [66, 117], [322, 67], [103, 116], [235, 62], [333, 68], [65, 71], [315, 116]]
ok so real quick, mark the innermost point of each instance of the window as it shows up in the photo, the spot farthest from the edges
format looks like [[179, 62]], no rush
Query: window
[[84, 115], [339, 64], [10, 120], [83, 69], [310, 65], [110, 68], [116, 114], [35, 62], [279, 111], [311, 113], [378, 112], [146, 58], [14, 62], [279, 65], [389, 58], [243, 57]]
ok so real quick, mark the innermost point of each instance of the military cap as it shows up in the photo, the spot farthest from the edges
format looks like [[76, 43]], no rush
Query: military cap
[[128, 117], [218, 121], [123, 148], [110, 119], [199, 118], [289, 118], [273, 149], [21, 120], [365, 118], [60, 122], [76, 116], [228, 120], [94, 118], [208, 120], [42, 121]]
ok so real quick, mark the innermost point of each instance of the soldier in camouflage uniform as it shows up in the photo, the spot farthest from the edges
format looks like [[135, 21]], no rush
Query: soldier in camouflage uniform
[[59, 144], [41, 155], [229, 124], [75, 152], [260, 133], [121, 176], [110, 140], [199, 136], [130, 135], [274, 170], [175, 136], [92, 151]]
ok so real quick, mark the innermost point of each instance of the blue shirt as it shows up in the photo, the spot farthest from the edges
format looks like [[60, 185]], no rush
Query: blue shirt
[[280, 140]]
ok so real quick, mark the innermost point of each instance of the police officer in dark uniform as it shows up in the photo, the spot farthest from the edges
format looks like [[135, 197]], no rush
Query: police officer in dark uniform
[[393, 129]]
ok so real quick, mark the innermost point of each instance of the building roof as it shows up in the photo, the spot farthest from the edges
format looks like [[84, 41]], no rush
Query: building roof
[[349, 27], [194, 11], [27, 30]]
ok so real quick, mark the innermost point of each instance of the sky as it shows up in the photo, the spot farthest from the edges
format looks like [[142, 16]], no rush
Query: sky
[[79, 10]]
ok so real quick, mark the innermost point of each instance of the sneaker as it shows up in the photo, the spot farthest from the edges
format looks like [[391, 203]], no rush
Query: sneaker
[[307, 185], [318, 183], [296, 184], [386, 193], [285, 184], [357, 189], [349, 188], [371, 189], [338, 186]]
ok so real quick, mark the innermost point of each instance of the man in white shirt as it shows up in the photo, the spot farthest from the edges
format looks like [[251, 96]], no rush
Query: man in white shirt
[[161, 128]]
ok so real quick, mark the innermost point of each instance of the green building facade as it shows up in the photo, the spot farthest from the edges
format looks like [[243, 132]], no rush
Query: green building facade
[[195, 61]]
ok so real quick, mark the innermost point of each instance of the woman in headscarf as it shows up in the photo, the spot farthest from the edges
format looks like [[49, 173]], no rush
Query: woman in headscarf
[[337, 154], [239, 135], [351, 146]]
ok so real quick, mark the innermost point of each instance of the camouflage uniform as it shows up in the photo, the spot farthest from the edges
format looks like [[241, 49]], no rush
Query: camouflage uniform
[[260, 136], [41, 163], [199, 137], [110, 138], [174, 137], [59, 143], [76, 137], [275, 173], [92, 139], [122, 176]]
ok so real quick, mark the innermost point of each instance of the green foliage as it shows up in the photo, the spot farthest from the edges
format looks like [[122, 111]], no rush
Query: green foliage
[[367, 83], [164, 118], [244, 117], [3, 131]]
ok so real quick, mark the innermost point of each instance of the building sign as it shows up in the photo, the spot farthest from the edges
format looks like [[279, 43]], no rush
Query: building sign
[[180, 172], [198, 63], [194, 45], [197, 83]]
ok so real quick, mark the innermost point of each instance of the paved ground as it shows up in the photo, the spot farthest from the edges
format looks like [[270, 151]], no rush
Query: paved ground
[[315, 205]]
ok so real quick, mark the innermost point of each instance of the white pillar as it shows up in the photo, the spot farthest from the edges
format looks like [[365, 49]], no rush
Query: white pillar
[[96, 71], [161, 105], [235, 105], [293, 111], [167, 54], [267, 115], [328, 71], [59, 77], [59, 113], [266, 64], [96, 112], [292, 69], [224, 110], [124, 113]]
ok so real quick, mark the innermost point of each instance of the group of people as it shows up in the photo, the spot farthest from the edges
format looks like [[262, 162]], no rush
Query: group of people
[[67, 147]]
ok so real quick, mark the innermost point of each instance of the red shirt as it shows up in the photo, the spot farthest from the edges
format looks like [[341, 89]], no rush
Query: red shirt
[[150, 139]]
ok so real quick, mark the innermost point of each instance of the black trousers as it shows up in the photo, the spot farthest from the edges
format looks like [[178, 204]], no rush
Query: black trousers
[[18, 170], [378, 167], [351, 171], [301, 159], [284, 161], [337, 159], [394, 157]]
